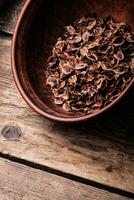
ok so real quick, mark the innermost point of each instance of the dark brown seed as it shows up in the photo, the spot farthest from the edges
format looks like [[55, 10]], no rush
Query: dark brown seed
[[71, 30], [92, 65], [84, 51], [77, 39], [60, 45], [104, 48], [130, 38], [98, 31], [91, 23], [119, 55], [92, 57], [118, 41], [58, 101], [80, 65], [72, 79], [85, 36], [107, 33], [66, 106], [92, 45]]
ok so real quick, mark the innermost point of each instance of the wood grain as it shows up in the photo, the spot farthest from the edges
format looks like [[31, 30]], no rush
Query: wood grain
[[21, 182], [101, 150], [9, 15]]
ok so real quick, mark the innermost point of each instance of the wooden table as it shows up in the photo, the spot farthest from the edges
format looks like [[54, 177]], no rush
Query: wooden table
[[44, 160]]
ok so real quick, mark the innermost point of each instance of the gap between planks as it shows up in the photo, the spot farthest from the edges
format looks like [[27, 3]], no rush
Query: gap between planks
[[67, 176], [22, 182]]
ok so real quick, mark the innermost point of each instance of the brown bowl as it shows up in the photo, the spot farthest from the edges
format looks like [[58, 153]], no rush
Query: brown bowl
[[38, 27]]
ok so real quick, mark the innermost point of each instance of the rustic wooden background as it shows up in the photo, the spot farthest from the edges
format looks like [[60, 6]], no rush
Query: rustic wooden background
[[98, 152]]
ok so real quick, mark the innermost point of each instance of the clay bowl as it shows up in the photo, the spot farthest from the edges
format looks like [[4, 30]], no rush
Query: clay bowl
[[39, 25]]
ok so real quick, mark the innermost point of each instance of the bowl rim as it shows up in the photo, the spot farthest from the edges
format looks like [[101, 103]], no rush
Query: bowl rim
[[29, 101]]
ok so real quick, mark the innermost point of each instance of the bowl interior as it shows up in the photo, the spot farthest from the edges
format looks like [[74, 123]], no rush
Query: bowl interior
[[42, 23]]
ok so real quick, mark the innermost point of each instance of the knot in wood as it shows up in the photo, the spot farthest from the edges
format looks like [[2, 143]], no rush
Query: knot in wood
[[11, 132]]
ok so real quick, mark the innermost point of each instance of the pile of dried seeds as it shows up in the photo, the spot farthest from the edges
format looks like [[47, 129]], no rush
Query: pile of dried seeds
[[91, 64]]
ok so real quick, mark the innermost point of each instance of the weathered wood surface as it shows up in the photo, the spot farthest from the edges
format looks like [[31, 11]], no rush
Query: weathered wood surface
[[101, 150], [9, 15], [19, 182]]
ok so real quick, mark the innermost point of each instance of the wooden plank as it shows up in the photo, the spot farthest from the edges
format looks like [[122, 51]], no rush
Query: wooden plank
[[101, 149], [9, 15], [21, 182]]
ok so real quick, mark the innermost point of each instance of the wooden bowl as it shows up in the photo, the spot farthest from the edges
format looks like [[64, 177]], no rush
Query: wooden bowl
[[38, 27]]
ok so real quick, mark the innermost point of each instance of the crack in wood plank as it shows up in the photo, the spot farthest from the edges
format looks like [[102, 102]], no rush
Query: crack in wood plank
[[19, 182]]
